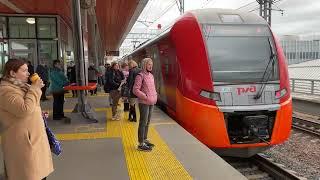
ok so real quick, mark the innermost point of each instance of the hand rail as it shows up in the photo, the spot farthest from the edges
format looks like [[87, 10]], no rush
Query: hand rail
[[305, 86]]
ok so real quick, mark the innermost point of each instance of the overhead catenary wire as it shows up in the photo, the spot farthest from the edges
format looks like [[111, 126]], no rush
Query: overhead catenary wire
[[165, 11], [148, 10], [208, 2], [246, 5]]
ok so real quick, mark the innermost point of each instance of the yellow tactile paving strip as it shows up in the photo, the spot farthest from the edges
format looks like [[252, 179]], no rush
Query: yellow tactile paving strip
[[160, 163]]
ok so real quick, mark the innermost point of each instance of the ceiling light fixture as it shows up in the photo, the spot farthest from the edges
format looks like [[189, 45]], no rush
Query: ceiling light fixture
[[31, 20]]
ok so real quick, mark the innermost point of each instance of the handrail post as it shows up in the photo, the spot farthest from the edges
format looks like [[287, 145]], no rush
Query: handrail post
[[292, 84]]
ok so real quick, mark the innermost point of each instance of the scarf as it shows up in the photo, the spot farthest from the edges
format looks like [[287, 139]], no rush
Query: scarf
[[24, 86]]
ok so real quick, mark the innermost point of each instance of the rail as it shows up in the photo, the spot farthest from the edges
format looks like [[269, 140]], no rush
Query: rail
[[307, 126], [258, 167], [305, 86]]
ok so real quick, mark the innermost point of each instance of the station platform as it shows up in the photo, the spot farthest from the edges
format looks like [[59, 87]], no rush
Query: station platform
[[107, 149], [306, 104], [306, 97]]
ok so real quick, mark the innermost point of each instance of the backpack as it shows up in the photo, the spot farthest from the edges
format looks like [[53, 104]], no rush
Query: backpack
[[107, 85]]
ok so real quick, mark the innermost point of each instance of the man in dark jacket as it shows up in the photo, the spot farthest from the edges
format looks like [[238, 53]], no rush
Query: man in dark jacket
[[30, 68], [92, 77], [134, 70], [42, 71], [71, 73]]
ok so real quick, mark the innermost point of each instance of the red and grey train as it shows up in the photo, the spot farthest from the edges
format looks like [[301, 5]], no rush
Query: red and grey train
[[223, 76]]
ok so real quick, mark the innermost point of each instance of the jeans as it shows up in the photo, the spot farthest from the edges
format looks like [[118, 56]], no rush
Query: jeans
[[95, 90], [115, 96], [145, 116]]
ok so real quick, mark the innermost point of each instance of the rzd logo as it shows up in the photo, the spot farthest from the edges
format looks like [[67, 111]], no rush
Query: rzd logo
[[242, 90]]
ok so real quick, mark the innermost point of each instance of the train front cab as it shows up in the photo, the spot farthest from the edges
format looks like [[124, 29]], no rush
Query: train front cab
[[204, 117]]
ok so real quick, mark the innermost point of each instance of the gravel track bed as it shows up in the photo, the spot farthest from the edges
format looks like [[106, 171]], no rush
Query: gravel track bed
[[300, 154]]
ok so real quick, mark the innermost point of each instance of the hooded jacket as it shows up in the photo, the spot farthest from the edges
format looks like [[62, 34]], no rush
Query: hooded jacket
[[144, 87]]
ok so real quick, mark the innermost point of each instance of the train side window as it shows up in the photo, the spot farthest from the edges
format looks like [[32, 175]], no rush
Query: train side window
[[230, 18]]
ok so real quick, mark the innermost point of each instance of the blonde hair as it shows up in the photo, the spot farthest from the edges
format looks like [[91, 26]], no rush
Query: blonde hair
[[132, 64], [123, 65], [144, 62], [113, 64]]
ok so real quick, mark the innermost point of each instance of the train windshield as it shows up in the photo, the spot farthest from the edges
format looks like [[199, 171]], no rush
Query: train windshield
[[240, 53]]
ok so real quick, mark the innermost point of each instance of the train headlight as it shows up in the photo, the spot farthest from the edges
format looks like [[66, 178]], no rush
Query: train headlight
[[281, 93], [211, 95]]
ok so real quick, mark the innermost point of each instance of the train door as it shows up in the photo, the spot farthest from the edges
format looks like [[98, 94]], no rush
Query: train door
[[154, 54], [168, 71]]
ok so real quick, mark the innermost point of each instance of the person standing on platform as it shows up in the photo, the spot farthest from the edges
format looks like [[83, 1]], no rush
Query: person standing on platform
[[134, 70], [101, 72], [144, 88], [124, 86], [92, 77], [25, 146], [30, 68], [115, 79], [106, 85], [71, 73], [42, 71], [57, 81]]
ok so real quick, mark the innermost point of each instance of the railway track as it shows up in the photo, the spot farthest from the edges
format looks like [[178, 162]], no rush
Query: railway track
[[258, 167], [308, 126]]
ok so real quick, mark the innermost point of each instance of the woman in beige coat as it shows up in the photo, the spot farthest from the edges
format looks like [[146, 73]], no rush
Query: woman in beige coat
[[24, 140]]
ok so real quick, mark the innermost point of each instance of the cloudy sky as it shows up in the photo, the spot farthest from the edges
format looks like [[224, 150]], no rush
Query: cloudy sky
[[300, 17]]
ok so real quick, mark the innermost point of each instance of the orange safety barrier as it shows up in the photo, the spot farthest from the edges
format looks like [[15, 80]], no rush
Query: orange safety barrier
[[74, 87]]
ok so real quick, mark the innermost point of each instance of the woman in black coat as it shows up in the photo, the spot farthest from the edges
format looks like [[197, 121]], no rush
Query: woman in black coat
[[134, 70], [114, 80]]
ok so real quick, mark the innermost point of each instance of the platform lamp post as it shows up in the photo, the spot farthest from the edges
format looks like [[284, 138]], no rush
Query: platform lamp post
[[82, 106]]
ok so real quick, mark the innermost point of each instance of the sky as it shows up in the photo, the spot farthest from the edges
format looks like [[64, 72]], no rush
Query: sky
[[300, 17]]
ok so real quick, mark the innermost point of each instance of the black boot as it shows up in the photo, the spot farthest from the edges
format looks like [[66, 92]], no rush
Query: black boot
[[134, 118], [131, 108]]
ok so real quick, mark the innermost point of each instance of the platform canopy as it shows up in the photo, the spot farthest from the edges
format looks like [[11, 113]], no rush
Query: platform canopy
[[115, 17]]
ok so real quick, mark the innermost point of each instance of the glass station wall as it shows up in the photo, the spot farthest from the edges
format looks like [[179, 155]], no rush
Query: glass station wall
[[33, 38]]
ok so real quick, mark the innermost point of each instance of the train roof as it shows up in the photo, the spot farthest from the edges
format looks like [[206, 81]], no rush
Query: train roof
[[226, 16], [213, 16]]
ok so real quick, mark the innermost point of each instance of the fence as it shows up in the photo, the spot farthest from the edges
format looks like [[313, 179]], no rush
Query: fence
[[305, 86]]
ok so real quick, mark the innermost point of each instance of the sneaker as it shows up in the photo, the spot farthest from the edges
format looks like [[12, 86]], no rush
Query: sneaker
[[115, 118], [144, 147], [149, 143]]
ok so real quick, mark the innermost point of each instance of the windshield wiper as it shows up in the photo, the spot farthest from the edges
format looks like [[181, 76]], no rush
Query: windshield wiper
[[266, 73]]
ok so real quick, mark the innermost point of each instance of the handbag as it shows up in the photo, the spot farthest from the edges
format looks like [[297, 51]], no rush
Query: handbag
[[54, 143]]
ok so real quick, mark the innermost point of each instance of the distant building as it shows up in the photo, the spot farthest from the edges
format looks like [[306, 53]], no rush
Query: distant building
[[299, 50]]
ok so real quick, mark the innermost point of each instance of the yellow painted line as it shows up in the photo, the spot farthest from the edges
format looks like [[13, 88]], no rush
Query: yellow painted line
[[81, 136], [69, 95], [95, 109], [70, 110], [160, 163]]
